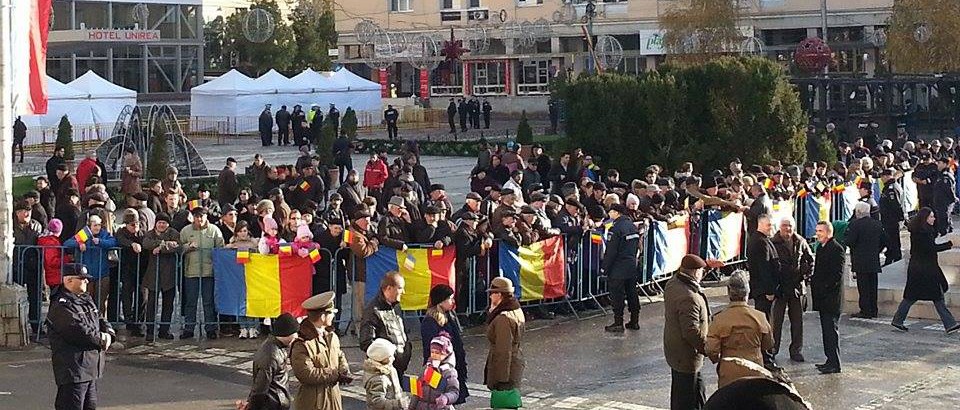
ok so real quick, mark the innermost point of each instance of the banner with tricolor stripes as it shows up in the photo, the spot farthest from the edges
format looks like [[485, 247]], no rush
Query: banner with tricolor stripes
[[421, 268], [816, 208], [537, 271], [265, 286], [669, 242], [724, 234]]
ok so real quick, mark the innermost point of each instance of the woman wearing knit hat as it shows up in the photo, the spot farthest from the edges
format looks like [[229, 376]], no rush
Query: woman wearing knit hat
[[438, 387], [380, 379], [52, 253], [441, 318], [269, 390]]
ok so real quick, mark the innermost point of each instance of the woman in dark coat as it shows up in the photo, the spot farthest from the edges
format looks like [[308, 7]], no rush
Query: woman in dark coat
[[498, 172], [925, 280], [441, 310]]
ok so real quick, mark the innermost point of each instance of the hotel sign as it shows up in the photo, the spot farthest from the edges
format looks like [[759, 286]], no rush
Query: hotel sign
[[101, 35]]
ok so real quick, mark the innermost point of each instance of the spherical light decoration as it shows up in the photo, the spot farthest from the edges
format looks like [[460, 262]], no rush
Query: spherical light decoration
[[812, 55], [258, 25], [880, 37], [922, 33], [526, 34], [751, 46], [609, 52], [140, 13], [477, 38], [371, 59], [512, 29], [423, 52], [364, 30]]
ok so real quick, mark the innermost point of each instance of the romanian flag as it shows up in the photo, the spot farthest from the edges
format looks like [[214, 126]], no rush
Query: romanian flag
[[432, 377], [768, 183], [193, 204], [348, 237], [422, 269], [537, 271], [840, 187], [668, 246], [243, 256], [286, 249], [857, 181], [304, 186], [724, 235], [802, 192], [416, 389], [315, 255], [596, 238], [83, 235], [266, 286]]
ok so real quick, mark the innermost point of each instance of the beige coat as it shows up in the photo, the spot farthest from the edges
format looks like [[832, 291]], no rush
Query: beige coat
[[686, 315], [317, 362], [504, 367], [738, 331]]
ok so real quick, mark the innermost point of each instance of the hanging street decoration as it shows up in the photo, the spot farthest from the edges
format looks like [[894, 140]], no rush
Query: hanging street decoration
[[453, 49], [813, 55]]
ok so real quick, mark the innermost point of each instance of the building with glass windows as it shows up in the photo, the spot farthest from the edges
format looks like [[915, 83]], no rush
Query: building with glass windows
[[151, 46], [514, 70]]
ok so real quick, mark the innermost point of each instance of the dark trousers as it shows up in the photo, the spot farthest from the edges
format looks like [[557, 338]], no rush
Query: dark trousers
[[943, 220], [283, 136], [202, 288], [486, 120], [28, 274], [392, 130], [687, 391], [766, 306], [830, 326], [17, 144], [453, 124], [132, 293], [793, 306], [265, 138], [77, 396], [344, 169], [463, 123], [891, 231], [166, 309], [621, 288], [867, 288]]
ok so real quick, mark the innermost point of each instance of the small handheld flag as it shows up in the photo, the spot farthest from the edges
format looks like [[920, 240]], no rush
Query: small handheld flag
[[416, 389], [802, 192], [596, 238], [193, 204], [432, 377], [409, 262], [838, 188], [83, 235], [315, 255], [857, 181], [304, 186], [768, 183], [286, 249], [243, 256], [436, 252], [348, 237]]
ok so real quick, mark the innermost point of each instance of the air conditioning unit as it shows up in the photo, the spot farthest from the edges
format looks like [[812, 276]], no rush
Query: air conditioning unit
[[478, 15]]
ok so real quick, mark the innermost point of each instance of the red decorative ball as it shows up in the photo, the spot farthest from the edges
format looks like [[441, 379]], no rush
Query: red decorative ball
[[813, 55]]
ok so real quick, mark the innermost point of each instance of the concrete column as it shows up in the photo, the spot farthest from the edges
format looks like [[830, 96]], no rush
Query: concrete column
[[812, 32], [508, 45], [6, 147], [554, 45]]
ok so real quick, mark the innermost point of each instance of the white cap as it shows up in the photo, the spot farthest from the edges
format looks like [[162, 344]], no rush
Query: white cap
[[381, 349]]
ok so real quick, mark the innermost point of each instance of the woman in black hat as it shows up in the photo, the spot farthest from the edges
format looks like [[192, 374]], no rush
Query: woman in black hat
[[440, 318]]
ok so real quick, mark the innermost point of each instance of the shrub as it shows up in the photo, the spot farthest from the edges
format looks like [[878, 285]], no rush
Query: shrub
[[524, 132], [324, 142], [348, 124], [159, 154], [65, 138]]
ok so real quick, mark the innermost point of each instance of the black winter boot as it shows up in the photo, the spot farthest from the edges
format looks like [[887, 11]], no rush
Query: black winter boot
[[616, 327], [634, 323]]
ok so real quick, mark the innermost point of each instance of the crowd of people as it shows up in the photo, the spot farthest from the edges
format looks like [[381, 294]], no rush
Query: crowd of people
[[128, 243]]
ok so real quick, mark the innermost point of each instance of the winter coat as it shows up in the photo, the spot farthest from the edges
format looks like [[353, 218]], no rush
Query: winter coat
[[763, 264], [429, 234], [53, 259], [686, 315], [95, 257], [375, 174], [74, 326], [429, 329], [130, 176], [198, 263], [161, 268], [393, 232], [269, 390], [265, 123], [826, 285], [258, 177], [925, 279], [448, 386], [505, 327], [796, 264], [352, 197], [69, 215], [737, 331], [384, 320], [623, 243], [228, 189], [131, 263], [865, 239], [382, 385], [360, 248], [318, 362], [85, 169]]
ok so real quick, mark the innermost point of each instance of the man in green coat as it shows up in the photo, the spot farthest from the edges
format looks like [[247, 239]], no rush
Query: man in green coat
[[199, 239]]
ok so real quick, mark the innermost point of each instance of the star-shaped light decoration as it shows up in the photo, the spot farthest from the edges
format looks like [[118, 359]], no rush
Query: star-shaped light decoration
[[453, 49]]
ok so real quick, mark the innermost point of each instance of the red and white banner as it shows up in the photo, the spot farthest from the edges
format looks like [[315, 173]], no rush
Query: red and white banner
[[29, 55]]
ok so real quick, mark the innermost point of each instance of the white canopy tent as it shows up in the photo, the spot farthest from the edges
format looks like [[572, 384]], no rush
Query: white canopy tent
[[90, 117], [106, 99]]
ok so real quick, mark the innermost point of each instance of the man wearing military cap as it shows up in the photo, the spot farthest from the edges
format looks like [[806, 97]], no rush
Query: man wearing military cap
[[316, 358], [79, 337]]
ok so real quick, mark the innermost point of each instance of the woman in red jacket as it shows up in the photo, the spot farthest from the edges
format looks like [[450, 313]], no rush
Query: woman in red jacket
[[374, 175], [53, 253]]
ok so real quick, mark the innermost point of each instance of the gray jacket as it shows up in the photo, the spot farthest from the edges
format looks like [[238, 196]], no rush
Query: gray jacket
[[269, 390]]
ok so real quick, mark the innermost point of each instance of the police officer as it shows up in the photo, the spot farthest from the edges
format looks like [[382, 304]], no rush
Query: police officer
[[891, 214], [451, 115], [620, 266], [944, 195], [487, 108], [390, 116], [79, 338]]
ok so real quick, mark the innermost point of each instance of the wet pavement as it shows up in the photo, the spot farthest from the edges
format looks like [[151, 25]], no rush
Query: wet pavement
[[571, 364]]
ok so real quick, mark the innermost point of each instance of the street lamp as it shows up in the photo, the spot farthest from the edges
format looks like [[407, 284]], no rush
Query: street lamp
[[591, 12]]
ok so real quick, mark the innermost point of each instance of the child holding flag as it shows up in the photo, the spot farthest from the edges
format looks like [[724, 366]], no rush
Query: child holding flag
[[269, 243], [304, 246], [438, 388], [380, 378]]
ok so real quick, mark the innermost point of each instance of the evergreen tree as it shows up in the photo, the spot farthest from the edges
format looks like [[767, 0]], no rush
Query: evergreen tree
[[213, 37], [324, 144], [65, 138], [257, 58], [524, 132], [348, 123], [314, 30], [159, 154]]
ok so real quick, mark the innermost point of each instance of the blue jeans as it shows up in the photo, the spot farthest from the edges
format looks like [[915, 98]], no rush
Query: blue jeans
[[192, 289], [945, 316]]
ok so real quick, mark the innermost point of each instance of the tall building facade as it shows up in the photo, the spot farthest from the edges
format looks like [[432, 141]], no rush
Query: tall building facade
[[510, 68]]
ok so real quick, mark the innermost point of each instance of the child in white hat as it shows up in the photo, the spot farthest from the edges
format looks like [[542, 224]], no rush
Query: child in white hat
[[380, 378]]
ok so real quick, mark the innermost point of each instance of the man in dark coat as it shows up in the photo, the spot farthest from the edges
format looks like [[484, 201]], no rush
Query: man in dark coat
[[79, 337], [352, 192], [393, 230], [866, 196], [228, 189], [468, 243], [925, 175], [891, 214], [561, 173], [487, 108], [452, 115], [283, 125], [864, 236], [826, 287], [944, 196], [390, 117], [463, 109], [796, 265], [298, 122], [760, 206], [26, 261], [266, 127], [48, 199], [316, 125], [269, 390], [764, 266], [434, 230], [620, 266], [475, 113], [333, 115], [382, 319], [52, 164], [19, 135]]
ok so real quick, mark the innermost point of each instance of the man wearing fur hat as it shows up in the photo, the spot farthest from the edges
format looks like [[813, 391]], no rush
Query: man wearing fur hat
[[269, 390], [686, 315], [316, 358]]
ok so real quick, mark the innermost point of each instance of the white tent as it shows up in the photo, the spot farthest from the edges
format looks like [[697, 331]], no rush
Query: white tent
[[62, 100], [106, 99], [224, 97]]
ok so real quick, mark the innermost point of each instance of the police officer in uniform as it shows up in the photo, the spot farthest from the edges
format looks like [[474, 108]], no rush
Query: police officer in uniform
[[944, 196], [390, 116], [620, 266], [891, 214], [79, 338]]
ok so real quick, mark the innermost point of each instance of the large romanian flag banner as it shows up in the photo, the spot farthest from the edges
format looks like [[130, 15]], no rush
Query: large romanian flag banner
[[422, 269], [537, 271], [816, 208], [724, 235], [265, 286], [669, 242], [780, 210]]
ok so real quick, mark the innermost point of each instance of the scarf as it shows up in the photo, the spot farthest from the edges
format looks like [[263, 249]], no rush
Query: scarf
[[506, 305]]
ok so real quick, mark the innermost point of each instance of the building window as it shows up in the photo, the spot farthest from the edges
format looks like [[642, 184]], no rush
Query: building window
[[446, 4], [476, 3], [529, 2], [401, 5], [447, 79], [534, 77], [489, 77]]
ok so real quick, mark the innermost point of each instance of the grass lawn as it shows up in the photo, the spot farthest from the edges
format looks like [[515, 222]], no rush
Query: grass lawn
[[21, 185]]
